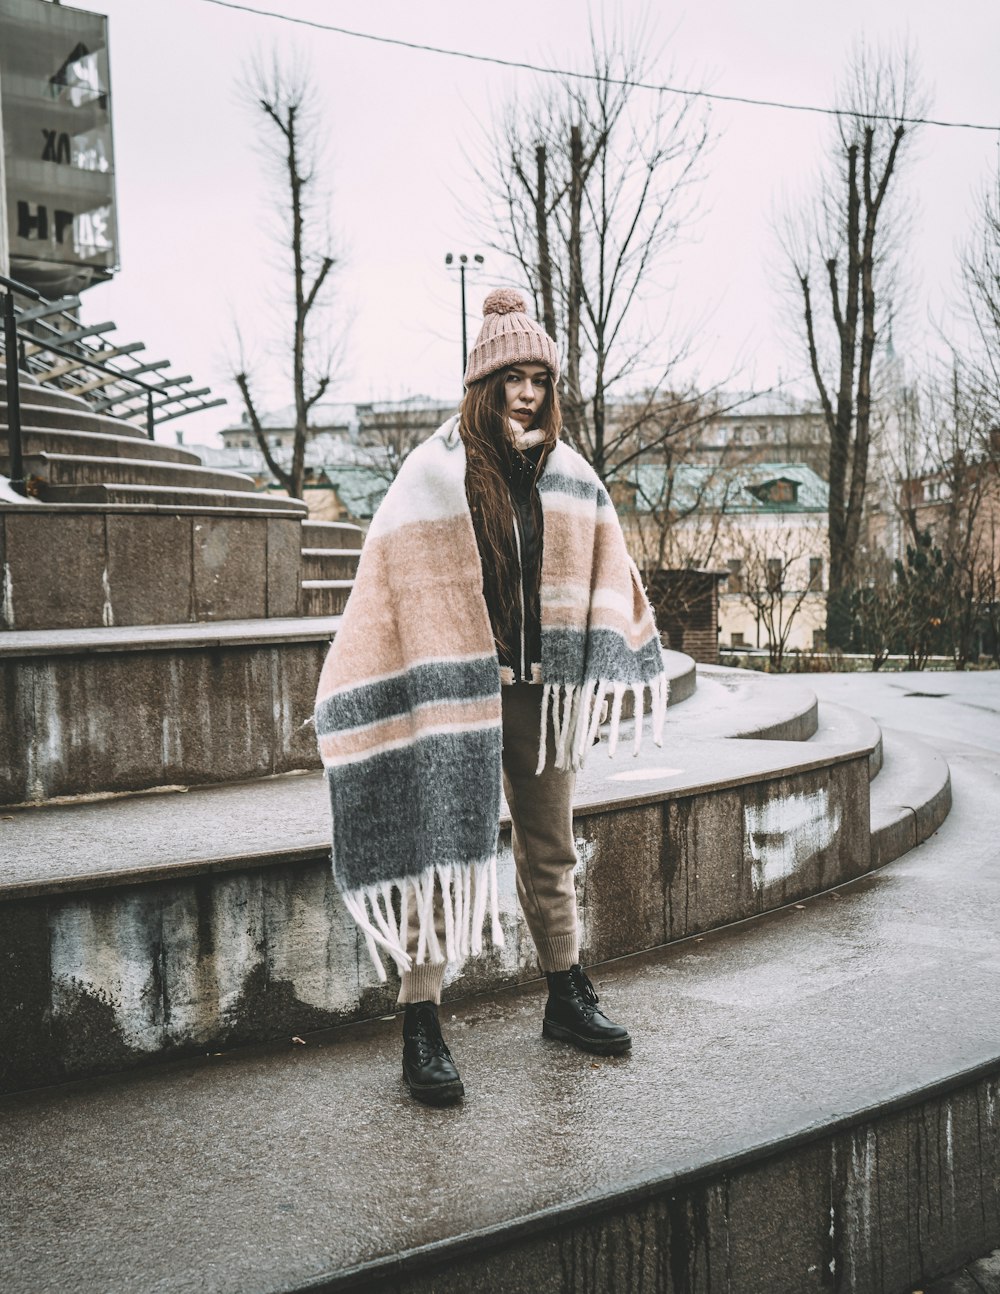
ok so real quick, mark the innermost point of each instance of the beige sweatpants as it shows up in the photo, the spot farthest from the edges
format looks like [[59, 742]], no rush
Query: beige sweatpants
[[541, 810]]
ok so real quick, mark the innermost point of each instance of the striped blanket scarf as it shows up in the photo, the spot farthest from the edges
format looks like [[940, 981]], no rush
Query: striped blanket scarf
[[408, 709]]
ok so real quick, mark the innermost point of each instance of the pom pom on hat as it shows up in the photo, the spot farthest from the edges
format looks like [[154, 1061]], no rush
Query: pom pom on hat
[[504, 301], [509, 336]]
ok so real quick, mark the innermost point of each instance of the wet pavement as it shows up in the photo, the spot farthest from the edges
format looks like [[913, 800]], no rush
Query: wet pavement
[[256, 1170]]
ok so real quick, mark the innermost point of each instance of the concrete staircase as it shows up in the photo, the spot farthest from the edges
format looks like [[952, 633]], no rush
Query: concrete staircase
[[804, 1107], [121, 530], [330, 553]]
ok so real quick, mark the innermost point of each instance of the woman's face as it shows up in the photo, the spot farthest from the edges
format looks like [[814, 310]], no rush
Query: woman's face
[[526, 387]]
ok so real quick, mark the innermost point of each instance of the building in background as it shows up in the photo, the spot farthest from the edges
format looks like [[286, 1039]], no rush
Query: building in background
[[763, 525], [352, 454], [59, 231]]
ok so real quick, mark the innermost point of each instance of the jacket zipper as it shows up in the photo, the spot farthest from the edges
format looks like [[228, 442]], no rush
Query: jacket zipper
[[520, 589]]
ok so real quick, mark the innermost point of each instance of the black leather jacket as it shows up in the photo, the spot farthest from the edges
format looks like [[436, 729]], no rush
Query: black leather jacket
[[526, 638]]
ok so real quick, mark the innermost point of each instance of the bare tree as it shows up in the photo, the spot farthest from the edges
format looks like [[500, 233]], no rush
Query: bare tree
[[981, 280], [591, 186], [775, 580], [851, 236], [389, 435], [285, 99], [950, 491]]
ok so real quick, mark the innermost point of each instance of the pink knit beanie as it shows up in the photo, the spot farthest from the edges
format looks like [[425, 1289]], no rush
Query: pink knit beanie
[[508, 336]]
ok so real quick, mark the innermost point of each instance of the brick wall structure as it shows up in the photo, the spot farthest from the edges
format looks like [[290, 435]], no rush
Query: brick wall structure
[[686, 605]]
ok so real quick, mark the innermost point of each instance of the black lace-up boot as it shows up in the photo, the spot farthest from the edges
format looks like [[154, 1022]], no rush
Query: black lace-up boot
[[428, 1068], [572, 1015]]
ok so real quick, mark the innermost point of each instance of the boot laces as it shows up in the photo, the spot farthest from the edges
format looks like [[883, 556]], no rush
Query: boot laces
[[584, 989], [427, 1038]]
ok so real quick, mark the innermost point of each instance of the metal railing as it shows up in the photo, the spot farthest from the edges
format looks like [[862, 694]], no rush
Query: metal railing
[[50, 329]]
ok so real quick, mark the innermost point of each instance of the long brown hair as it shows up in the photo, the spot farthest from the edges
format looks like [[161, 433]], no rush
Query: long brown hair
[[489, 448]]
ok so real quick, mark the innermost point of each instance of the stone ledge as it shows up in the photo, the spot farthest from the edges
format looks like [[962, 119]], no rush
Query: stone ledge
[[144, 638], [285, 819], [914, 797]]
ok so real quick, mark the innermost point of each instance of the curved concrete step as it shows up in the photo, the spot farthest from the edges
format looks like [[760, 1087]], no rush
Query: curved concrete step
[[59, 418], [743, 703], [911, 797], [679, 840], [812, 1102], [45, 440], [838, 724], [164, 704], [171, 496], [79, 470], [331, 534], [35, 393]]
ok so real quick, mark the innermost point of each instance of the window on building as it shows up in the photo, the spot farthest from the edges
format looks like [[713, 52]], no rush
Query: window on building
[[735, 584], [780, 491], [246, 444], [775, 574], [737, 640], [815, 574]]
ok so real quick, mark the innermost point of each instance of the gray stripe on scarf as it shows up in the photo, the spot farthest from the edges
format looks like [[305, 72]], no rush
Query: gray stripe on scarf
[[575, 487], [606, 653], [434, 802], [438, 681]]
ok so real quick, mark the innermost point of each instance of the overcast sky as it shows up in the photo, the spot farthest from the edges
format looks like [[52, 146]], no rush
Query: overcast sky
[[400, 124]]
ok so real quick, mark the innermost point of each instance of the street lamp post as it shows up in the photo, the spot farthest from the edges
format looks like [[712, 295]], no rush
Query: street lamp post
[[462, 261]]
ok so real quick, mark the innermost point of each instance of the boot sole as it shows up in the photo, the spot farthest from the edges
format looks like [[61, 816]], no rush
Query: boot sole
[[596, 1047], [435, 1093]]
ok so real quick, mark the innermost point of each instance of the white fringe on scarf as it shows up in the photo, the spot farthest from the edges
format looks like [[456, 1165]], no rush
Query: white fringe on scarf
[[577, 713], [466, 892]]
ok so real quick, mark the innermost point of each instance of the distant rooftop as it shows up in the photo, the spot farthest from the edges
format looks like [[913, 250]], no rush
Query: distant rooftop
[[704, 487]]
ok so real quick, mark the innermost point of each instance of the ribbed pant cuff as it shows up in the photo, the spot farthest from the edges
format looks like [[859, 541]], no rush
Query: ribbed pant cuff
[[422, 983], [558, 954]]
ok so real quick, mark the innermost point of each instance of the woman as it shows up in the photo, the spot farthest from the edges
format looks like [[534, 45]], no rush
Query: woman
[[494, 609]]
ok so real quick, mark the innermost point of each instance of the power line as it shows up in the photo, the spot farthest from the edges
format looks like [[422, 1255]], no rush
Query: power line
[[592, 76]]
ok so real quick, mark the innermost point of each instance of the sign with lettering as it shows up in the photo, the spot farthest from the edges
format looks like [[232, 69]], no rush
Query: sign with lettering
[[55, 100]]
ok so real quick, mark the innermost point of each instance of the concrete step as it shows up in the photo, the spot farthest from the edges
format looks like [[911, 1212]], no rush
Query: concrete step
[[675, 842], [45, 440], [173, 496], [80, 470], [742, 703], [812, 1102], [76, 417], [331, 534], [841, 723], [52, 397], [911, 797], [330, 563], [69, 567], [686, 824], [163, 704], [325, 597]]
